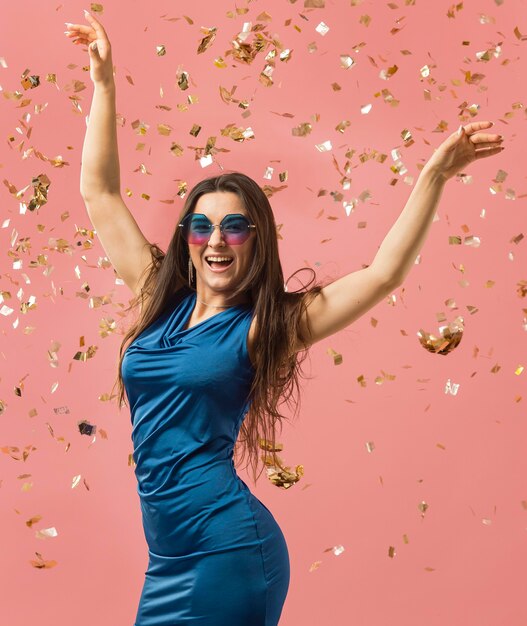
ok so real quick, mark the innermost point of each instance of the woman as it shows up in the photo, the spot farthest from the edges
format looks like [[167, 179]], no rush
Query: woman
[[215, 349]]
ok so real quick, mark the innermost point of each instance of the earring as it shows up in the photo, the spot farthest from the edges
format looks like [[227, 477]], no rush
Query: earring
[[190, 273]]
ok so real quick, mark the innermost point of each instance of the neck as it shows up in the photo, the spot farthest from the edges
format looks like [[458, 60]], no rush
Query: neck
[[214, 305]]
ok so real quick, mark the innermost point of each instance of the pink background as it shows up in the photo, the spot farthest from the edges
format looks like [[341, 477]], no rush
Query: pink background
[[463, 562]]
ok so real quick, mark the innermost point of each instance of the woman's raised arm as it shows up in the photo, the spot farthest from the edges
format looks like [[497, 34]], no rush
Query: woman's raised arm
[[344, 300], [100, 158]]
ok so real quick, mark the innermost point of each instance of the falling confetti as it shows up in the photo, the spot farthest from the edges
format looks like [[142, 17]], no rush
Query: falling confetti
[[449, 338]]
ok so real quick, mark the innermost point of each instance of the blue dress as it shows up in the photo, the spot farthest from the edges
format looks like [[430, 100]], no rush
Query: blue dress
[[217, 556]]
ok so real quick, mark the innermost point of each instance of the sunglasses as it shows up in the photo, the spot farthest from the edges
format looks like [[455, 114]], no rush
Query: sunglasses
[[197, 228]]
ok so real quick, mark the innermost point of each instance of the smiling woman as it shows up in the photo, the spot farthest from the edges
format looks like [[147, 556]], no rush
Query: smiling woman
[[198, 371]]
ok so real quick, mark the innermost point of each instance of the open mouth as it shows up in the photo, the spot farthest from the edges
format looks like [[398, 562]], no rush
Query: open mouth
[[219, 262]]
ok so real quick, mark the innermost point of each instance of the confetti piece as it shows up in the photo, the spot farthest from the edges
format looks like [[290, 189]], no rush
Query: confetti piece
[[346, 61], [314, 4], [337, 358], [182, 79], [302, 129], [206, 42], [161, 51], [322, 28], [206, 160], [451, 388], [40, 184], [324, 147], [41, 563], [46, 532], [386, 74], [30, 82]]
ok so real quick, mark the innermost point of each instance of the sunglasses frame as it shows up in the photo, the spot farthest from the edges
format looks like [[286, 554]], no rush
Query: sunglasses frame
[[213, 226]]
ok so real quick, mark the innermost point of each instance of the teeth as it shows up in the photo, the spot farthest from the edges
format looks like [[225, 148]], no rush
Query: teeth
[[218, 258]]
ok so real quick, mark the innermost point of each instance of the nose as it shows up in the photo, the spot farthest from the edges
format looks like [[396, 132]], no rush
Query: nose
[[216, 237]]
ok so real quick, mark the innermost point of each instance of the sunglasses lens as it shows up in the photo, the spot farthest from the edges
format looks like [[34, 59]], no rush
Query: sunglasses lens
[[197, 229], [235, 229]]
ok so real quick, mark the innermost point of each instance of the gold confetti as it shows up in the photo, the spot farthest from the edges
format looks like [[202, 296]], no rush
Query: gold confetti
[[279, 475], [164, 129], [453, 9], [30, 82], [219, 62], [269, 191], [96, 7], [40, 192], [41, 563], [182, 79], [337, 358], [386, 74], [346, 61], [365, 20], [194, 131], [176, 149], [237, 133], [365, 109], [206, 42], [302, 129], [161, 51], [449, 337], [314, 4]]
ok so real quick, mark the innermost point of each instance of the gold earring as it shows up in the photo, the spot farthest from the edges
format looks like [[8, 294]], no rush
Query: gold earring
[[190, 268]]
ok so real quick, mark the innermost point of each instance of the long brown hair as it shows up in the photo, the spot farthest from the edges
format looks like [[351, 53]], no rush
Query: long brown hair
[[278, 366]]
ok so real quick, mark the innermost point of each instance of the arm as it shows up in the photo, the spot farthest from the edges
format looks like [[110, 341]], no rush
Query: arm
[[346, 299], [117, 230], [401, 245], [100, 159]]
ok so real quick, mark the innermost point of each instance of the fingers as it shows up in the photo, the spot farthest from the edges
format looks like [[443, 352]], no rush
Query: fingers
[[78, 28], [485, 139], [96, 25], [475, 126], [486, 152]]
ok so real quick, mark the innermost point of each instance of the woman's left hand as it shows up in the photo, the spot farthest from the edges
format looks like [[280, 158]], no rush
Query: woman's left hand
[[456, 152]]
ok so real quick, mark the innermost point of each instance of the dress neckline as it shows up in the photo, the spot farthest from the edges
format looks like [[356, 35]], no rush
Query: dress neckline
[[188, 313]]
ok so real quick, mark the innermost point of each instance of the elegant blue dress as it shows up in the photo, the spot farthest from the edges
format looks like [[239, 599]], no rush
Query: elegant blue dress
[[217, 556]]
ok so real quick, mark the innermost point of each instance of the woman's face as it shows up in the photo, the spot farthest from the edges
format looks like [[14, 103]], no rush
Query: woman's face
[[211, 281]]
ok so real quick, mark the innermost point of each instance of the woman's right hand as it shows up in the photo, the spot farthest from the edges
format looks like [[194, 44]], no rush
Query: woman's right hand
[[95, 37]]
